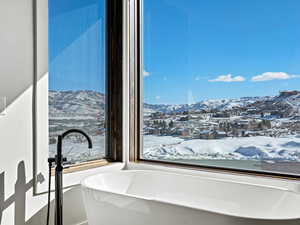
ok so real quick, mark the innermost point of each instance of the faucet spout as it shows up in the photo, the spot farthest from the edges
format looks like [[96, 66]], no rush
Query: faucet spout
[[80, 132]]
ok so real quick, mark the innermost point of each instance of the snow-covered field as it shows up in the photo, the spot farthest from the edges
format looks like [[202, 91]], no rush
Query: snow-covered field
[[242, 148], [79, 152]]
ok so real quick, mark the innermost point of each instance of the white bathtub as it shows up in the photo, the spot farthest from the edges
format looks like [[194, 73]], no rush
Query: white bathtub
[[138, 197]]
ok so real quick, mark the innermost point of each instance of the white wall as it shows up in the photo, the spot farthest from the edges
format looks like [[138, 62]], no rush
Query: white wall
[[18, 205]]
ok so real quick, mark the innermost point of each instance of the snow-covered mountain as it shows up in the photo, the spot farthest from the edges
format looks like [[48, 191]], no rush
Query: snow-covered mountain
[[212, 104], [286, 100], [76, 102], [76, 109], [91, 102]]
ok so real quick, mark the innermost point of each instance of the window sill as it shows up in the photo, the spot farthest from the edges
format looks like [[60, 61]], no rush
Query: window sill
[[83, 166]]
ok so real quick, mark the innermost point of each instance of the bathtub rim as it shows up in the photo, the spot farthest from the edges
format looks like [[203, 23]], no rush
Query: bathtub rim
[[84, 185]]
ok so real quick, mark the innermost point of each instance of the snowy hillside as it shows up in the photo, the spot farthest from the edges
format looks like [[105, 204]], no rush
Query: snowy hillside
[[76, 109], [185, 139], [247, 148], [76, 102], [216, 104], [84, 110], [289, 102]]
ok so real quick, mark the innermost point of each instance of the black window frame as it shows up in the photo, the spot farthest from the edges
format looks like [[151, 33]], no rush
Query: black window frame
[[136, 107], [114, 66]]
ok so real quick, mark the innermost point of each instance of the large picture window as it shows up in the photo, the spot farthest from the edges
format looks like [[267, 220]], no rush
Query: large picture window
[[220, 84], [77, 76]]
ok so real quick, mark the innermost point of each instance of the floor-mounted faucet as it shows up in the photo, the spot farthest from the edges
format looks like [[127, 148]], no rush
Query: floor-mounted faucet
[[58, 160]]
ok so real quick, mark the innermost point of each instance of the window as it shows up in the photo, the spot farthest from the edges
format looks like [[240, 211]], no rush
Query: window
[[219, 84], [80, 81]]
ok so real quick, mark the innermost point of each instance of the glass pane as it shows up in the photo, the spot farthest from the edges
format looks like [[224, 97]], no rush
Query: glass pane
[[77, 76], [221, 83]]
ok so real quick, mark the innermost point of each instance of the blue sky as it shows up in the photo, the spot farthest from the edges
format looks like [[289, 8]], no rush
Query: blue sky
[[190, 43], [193, 50], [76, 45]]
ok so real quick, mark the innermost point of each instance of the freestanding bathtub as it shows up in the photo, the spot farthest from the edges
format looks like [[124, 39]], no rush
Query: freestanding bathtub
[[139, 197]]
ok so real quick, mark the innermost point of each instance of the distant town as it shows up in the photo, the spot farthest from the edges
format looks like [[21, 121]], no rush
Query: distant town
[[246, 117]]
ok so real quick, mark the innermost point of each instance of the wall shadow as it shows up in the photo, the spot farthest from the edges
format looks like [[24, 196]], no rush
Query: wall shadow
[[25, 62], [74, 212], [19, 196], [73, 203]]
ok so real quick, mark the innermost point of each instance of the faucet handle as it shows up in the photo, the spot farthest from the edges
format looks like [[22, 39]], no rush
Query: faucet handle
[[51, 160]]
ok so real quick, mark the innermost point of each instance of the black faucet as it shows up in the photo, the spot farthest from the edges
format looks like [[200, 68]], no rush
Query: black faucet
[[59, 159]]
